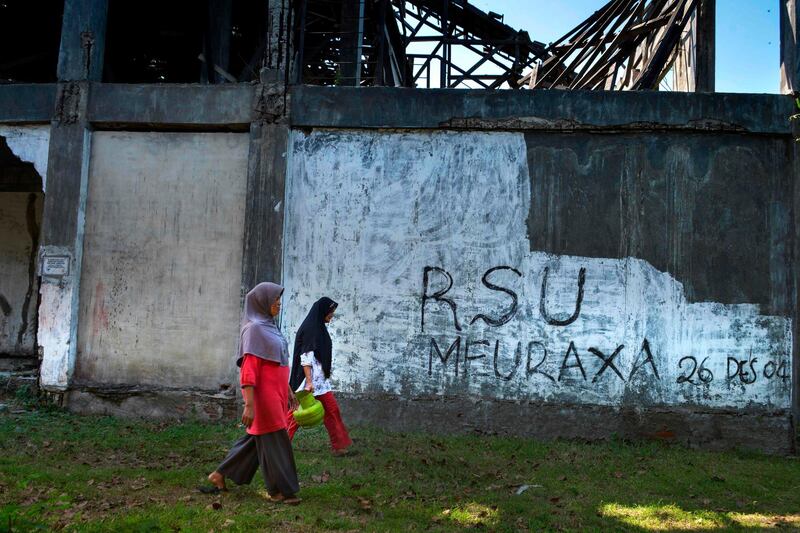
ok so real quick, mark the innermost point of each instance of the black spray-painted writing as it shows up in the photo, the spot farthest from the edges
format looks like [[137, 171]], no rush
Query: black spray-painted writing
[[745, 370], [535, 370], [648, 359], [740, 369], [444, 358], [455, 349], [564, 366], [468, 357], [704, 375], [774, 369], [517, 359], [438, 295], [608, 362], [508, 315], [534, 366], [552, 320]]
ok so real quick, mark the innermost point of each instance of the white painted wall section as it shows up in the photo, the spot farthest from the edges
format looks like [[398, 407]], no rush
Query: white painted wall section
[[368, 212]]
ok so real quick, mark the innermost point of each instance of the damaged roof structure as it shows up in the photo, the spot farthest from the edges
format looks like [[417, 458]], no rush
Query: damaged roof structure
[[625, 45]]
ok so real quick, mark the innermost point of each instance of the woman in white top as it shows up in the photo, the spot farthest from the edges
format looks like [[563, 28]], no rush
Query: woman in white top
[[311, 371]]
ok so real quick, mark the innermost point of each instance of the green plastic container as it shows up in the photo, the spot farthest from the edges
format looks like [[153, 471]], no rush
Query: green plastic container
[[310, 413]]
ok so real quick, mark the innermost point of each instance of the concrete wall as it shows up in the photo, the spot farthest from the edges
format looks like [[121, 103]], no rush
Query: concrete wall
[[596, 263], [641, 270], [160, 284], [20, 220]]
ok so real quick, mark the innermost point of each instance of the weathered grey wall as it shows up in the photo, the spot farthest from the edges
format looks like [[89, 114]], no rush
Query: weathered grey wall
[[639, 270], [20, 220], [712, 210], [620, 263], [160, 285]]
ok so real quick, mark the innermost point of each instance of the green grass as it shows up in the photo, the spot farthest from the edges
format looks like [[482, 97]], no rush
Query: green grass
[[61, 471]]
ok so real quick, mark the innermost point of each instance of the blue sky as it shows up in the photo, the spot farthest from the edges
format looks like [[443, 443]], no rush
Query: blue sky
[[748, 39]]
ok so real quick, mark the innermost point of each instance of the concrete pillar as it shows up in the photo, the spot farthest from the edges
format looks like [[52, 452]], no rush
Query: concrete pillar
[[80, 61], [790, 84], [795, 149], [705, 46], [694, 67], [279, 25], [83, 36], [262, 256], [790, 57], [266, 174]]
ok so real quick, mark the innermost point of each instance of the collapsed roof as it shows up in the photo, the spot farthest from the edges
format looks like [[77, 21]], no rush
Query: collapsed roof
[[627, 44]]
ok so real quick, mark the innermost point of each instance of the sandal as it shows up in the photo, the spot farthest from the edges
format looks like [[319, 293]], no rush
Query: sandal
[[280, 498], [347, 452], [205, 489]]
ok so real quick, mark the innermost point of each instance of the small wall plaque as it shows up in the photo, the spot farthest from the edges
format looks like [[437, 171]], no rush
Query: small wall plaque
[[55, 265]]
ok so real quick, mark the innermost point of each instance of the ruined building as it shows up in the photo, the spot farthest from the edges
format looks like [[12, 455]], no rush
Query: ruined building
[[524, 238]]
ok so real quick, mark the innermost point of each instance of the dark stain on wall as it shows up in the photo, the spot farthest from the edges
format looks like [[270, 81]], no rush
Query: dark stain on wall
[[33, 231], [712, 210]]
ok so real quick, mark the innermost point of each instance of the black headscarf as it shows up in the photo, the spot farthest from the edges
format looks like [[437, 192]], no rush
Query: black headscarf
[[313, 337]]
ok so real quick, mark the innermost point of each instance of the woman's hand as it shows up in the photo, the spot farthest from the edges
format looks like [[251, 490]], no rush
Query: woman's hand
[[248, 415], [293, 404], [309, 386]]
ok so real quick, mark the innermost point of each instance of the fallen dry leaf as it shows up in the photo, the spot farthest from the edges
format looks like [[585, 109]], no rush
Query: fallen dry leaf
[[365, 504], [323, 478]]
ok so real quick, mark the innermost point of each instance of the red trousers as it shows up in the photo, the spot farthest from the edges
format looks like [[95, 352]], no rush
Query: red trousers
[[340, 439]]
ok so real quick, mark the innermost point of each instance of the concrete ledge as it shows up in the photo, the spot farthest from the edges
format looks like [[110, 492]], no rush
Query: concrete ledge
[[710, 429], [176, 405], [163, 106], [384, 107], [771, 433], [195, 106], [27, 103]]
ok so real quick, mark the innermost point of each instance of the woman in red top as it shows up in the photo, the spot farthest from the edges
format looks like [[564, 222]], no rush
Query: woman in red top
[[264, 361]]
